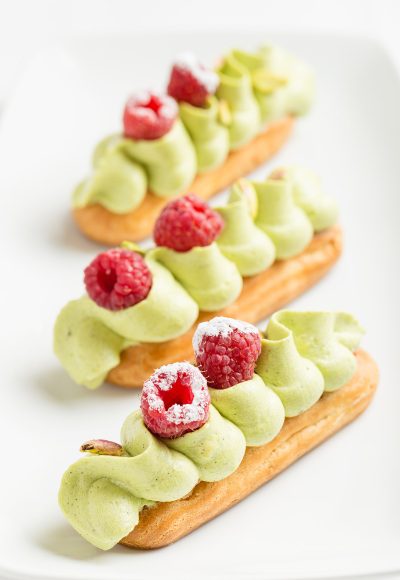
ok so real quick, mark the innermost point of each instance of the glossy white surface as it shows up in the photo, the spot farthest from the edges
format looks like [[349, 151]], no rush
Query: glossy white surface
[[334, 513]]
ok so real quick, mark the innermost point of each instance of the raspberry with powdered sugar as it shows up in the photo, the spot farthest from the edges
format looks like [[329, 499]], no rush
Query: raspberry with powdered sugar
[[175, 400], [190, 82], [226, 351], [148, 116]]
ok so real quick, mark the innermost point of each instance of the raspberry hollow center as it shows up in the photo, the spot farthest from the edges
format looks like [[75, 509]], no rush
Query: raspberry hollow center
[[118, 279], [175, 400], [107, 279], [154, 104], [179, 394]]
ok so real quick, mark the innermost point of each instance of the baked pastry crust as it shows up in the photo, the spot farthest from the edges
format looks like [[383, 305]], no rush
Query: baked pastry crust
[[167, 522], [261, 295], [103, 226]]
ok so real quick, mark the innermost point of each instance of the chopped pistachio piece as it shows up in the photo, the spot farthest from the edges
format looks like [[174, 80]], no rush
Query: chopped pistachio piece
[[102, 447], [267, 83]]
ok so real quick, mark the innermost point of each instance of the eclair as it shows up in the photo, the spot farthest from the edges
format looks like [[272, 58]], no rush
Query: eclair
[[206, 436], [269, 243], [209, 129]]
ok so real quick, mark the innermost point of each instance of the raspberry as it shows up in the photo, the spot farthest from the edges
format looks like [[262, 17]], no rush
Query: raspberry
[[175, 400], [117, 279], [149, 116], [226, 351], [190, 82], [185, 223]]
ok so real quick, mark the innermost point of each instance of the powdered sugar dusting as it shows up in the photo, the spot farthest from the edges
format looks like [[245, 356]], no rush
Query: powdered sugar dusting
[[164, 378], [141, 98], [169, 108], [220, 326], [208, 78]]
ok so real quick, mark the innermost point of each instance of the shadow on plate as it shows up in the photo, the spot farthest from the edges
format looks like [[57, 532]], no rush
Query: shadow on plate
[[63, 540], [65, 233], [55, 384]]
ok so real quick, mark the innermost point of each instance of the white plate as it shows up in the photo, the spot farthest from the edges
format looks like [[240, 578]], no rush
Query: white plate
[[335, 512]]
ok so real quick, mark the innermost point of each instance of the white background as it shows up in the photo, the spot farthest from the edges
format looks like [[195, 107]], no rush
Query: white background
[[26, 26], [29, 26]]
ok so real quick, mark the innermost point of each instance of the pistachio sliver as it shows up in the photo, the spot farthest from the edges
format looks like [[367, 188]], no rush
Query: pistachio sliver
[[267, 83], [127, 245], [224, 113], [102, 447]]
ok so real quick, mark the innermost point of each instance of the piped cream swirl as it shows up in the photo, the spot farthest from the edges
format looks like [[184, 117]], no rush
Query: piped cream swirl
[[303, 354], [254, 89]]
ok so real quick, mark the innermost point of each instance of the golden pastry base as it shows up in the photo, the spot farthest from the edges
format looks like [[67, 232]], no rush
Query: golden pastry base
[[261, 296], [167, 522], [103, 226]]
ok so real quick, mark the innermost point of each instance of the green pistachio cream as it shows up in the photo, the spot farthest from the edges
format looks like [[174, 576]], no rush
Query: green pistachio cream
[[306, 353], [281, 83], [263, 221], [209, 136], [241, 241], [253, 90], [281, 219], [236, 90], [207, 275], [303, 354], [307, 192], [88, 339], [170, 162]]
